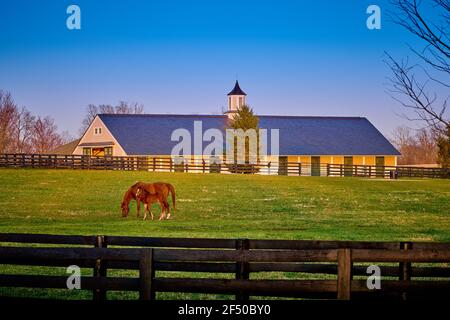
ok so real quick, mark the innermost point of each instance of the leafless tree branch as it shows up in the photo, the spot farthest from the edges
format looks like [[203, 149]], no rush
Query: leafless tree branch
[[407, 87]]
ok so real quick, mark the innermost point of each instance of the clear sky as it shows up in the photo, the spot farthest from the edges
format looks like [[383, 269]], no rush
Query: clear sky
[[183, 56]]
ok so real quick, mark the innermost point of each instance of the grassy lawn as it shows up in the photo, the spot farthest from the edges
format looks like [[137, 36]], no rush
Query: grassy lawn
[[226, 206], [88, 202]]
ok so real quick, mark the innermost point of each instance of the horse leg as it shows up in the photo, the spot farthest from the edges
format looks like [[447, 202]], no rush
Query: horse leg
[[162, 216], [145, 211], [166, 204], [138, 206]]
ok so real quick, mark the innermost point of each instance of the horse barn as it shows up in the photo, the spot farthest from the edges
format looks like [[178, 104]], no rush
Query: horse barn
[[309, 140]]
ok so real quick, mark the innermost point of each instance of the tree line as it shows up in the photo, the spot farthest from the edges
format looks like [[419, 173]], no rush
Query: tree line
[[23, 132], [416, 146]]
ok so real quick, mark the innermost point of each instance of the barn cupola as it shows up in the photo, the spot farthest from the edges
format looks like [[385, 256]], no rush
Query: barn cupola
[[236, 99]]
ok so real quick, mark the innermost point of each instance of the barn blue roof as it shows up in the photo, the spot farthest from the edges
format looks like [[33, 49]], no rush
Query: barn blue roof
[[151, 133]]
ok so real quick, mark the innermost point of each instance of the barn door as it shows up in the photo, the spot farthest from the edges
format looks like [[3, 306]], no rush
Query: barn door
[[282, 166], [348, 166], [315, 166], [379, 163]]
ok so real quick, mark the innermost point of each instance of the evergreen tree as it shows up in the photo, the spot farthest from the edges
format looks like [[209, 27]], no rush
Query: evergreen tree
[[245, 119]]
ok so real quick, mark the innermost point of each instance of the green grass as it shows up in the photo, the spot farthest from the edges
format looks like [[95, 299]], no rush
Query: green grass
[[224, 206], [213, 205]]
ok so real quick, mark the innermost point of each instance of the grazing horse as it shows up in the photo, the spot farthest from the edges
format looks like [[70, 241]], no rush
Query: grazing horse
[[129, 195], [148, 198], [160, 190]]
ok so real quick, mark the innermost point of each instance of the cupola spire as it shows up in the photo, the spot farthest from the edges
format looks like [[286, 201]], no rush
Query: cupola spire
[[236, 99]]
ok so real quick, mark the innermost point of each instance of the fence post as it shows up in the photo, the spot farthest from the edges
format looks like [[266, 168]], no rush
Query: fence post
[[299, 169], [405, 268], [242, 268], [344, 285], [100, 269], [146, 275]]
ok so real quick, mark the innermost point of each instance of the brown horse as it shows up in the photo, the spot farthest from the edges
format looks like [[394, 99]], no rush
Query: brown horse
[[148, 198], [160, 189], [129, 195]]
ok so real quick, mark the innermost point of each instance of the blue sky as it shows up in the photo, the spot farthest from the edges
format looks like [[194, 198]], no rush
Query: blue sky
[[291, 57]]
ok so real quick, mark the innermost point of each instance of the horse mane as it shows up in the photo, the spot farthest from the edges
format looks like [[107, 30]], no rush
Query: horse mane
[[135, 185]]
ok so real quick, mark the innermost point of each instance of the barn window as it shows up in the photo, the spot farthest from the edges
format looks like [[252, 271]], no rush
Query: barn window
[[108, 151], [97, 131], [86, 151]]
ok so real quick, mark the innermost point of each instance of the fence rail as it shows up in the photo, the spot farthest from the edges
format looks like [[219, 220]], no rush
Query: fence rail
[[148, 163], [343, 261]]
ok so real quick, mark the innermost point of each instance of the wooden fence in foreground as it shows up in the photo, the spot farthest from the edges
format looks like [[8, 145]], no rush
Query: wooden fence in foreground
[[343, 262], [147, 163]]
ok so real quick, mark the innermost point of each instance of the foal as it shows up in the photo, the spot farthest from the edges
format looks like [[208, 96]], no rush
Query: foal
[[148, 198]]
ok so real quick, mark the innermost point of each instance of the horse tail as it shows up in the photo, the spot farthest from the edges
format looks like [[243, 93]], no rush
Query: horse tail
[[172, 191]]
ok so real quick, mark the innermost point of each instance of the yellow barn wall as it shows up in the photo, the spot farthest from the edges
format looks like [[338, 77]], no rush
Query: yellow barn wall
[[325, 159], [305, 159], [370, 160], [338, 160], [358, 160], [389, 161]]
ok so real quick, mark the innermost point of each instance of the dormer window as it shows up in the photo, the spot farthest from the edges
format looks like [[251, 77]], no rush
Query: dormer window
[[97, 131]]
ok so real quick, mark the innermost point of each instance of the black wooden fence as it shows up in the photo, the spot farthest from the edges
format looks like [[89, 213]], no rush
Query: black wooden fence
[[148, 163], [344, 263]]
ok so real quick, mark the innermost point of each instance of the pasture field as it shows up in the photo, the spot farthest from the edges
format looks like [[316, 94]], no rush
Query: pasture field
[[220, 205], [223, 206]]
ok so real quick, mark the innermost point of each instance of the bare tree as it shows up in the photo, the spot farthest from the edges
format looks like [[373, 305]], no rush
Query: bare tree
[[410, 81], [8, 116], [417, 147], [23, 131], [45, 135], [129, 108], [122, 108], [66, 137]]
